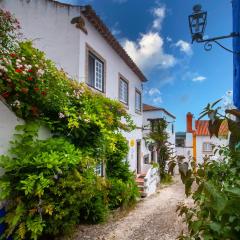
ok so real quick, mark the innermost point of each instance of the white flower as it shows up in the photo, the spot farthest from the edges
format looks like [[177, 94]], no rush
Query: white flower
[[24, 72], [3, 68], [36, 66], [86, 120], [19, 65], [18, 60], [16, 103], [61, 115], [23, 58], [40, 72]]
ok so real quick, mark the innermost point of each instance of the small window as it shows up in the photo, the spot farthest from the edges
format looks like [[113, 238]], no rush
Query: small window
[[123, 91], [146, 159], [95, 72], [99, 170], [138, 101], [207, 147]]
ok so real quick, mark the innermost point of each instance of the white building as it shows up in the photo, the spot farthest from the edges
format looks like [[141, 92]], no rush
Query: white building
[[78, 41], [196, 143], [152, 114]]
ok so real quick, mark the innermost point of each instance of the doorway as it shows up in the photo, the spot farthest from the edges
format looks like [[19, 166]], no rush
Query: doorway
[[138, 156]]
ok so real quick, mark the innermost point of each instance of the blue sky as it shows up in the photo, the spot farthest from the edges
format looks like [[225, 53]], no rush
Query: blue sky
[[182, 77]]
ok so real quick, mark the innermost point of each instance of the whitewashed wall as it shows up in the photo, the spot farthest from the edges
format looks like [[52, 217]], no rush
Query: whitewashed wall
[[49, 23], [160, 114], [8, 121], [184, 151], [114, 66], [49, 26], [213, 140]]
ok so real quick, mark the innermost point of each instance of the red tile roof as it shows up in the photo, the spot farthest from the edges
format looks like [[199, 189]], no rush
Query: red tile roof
[[202, 128], [147, 107]]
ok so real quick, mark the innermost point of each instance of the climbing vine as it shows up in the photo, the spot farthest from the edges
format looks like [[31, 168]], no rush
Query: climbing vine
[[50, 185]]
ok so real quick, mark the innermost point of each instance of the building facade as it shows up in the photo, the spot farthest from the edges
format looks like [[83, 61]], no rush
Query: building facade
[[152, 114], [78, 41], [197, 143]]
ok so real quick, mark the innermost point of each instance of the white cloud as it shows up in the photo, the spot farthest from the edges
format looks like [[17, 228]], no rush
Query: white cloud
[[184, 47], [157, 100], [148, 52], [115, 29], [154, 91], [199, 79], [159, 14], [169, 39]]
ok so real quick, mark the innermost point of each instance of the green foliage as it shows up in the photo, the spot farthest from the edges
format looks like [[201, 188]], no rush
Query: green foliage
[[122, 194], [123, 189], [158, 138], [51, 185], [216, 193], [8, 31], [167, 179]]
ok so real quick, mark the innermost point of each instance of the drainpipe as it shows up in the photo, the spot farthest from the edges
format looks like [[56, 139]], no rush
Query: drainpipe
[[236, 57]]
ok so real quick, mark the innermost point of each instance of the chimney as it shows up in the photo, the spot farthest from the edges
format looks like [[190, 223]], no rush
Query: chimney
[[189, 122]]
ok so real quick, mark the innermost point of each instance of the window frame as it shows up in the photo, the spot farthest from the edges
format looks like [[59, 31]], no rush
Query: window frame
[[99, 169], [123, 79], [204, 149], [90, 52], [146, 159], [140, 93]]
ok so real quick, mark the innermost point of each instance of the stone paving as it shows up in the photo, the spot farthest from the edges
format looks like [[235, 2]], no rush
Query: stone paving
[[154, 218]]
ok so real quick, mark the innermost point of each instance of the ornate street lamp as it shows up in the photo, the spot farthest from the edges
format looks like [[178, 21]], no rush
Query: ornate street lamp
[[197, 24]]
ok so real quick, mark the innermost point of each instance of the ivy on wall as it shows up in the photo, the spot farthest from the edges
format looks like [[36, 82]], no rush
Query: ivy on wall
[[50, 185]]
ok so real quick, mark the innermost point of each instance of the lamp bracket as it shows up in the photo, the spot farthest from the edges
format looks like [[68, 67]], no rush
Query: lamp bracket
[[209, 42]]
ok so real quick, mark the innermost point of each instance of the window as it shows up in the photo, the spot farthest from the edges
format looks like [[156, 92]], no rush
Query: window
[[123, 91], [138, 101], [172, 128], [99, 170], [95, 72], [146, 159], [207, 147]]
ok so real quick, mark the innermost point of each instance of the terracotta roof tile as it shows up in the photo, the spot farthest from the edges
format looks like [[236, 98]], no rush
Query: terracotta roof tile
[[202, 128]]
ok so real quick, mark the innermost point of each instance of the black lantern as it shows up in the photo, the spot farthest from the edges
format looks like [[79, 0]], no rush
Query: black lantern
[[197, 23]]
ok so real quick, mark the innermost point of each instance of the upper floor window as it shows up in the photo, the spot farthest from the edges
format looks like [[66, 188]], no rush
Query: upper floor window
[[138, 101], [123, 91], [95, 72], [207, 147]]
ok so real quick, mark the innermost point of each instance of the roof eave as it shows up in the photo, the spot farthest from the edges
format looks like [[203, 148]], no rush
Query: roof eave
[[96, 21]]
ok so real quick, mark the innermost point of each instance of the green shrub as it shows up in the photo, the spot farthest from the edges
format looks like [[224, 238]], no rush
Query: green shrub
[[47, 183], [116, 165], [123, 190], [166, 178], [215, 213], [122, 194], [50, 185]]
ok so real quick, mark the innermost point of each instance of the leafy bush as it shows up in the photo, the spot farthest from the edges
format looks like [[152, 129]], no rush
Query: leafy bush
[[123, 190], [49, 186], [216, 210], [122, 194]]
